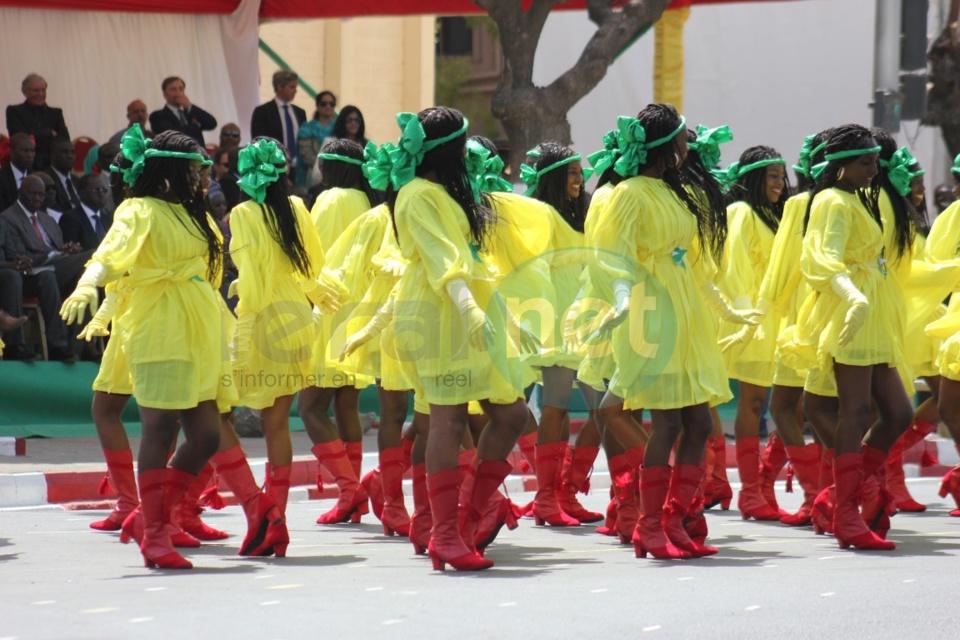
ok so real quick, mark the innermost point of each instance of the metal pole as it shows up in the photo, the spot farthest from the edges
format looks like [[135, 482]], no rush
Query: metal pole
[[886, 70]]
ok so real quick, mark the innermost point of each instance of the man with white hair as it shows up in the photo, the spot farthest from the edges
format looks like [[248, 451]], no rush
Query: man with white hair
[[36, 118]]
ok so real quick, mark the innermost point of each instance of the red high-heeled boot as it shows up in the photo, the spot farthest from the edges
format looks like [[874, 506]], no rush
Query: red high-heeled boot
[[446, 546], [159, 490], [187, 511], [527, 443], [266, 528], [680, 503], [120, 475], [277, 486], [750, 501], [877, 502], [574, 478], [896, 479], [333, 456], [849, 528], [821, 514], [355, 455], [623, 475], [546, 509], [806, 466], [649, 535], [951, 484], [722, 493], [372, 483], [421, 522], [609, 526], [772, 461], [487, 476], [394, 516], [500, 512]]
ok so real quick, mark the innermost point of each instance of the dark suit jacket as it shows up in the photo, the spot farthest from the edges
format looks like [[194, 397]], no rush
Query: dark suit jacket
[[40, 122], [63, 200], [19, 223], [8, 187], [268, 121], [231, 191], [163, 119], [76, 227]]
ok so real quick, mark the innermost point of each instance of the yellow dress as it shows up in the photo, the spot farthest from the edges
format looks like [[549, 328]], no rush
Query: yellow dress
[[943, 250], [114, 374], [666, 350], [334, 210], [269, 289], [566, 267], [843, 238], [171, 330], [429, 334], [898, 271], [783, 285], [746, 257]]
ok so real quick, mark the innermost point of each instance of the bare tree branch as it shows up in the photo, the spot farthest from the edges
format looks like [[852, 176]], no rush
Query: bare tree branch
[[598, 10]]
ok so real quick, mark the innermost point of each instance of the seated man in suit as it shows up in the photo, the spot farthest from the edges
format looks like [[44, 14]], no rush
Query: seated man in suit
[[179, 114], [62, 157], [22, 152], [280, 119], [229, 137], [136, 114], [106, 154], [17, 281], [50, 203], [87, 224], [34, 117]]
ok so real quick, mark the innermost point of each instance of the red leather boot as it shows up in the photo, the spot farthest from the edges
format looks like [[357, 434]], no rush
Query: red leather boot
[[527, 444], [372, 483], [421, 522], [609, 526], [546, 509], [877, 503], [446, 546], [806, 465], [277, 487], [266, 528], [649, 535], [355, 455], [849, 528], [159, 490], [772, 461], [120, 475], [750, 501], [722, 493], [574, 478], [896, 479], [487, 476], [333, 456], [623, 475], [394, 517], [187, 511], [680, 503], [951, 485], [824, 504]]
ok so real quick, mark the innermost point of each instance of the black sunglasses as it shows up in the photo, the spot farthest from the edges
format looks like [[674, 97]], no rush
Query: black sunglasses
[[232, 134], [327, 103]]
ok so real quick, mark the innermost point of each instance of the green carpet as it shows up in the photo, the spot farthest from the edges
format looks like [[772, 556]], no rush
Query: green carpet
[[52, 399]]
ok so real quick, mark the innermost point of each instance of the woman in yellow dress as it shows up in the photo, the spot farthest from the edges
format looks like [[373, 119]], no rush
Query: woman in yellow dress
[[451, 331], [655, 244], [346, 197], [163, 238], [758, 186], [851, 323]]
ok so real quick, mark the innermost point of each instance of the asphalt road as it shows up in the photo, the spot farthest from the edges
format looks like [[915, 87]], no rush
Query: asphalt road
[[60, 579]]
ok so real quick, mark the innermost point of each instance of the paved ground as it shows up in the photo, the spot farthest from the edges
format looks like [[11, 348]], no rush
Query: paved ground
[[59, 579]]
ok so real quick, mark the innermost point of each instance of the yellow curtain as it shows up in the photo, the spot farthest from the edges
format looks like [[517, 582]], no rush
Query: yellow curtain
[[668, 57]]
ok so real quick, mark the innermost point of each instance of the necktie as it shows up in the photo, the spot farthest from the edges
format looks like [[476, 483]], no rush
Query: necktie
[[36, 228], [72, 193], [288, 131], [183, 116], [98, 227]]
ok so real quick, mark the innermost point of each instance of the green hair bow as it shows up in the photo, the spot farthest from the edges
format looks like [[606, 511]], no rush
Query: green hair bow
[[484, 170], [378, 164], [632, 144], [134, 146], [412, 145], [606, 157], [708, 142], [898, 170], [956, 165], [260, 165]]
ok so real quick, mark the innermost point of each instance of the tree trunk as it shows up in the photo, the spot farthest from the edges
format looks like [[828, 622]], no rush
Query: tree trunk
[[943, 99], [527, 121]]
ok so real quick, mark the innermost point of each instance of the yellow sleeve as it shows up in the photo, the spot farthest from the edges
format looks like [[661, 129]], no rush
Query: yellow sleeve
[[428, 225], [783, 272], [119, 249], [334, 210], [310, 239], [613, 238], [349, 257], [943, 240], [740, 279], [389, 259], [825, 242], [248, 247]]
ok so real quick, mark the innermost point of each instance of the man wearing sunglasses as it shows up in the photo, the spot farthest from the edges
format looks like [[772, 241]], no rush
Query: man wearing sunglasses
[[88, 223]]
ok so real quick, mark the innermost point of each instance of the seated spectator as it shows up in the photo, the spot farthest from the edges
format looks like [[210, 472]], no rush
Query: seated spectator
[[50, 201], [136, 114], [228, 183], [87, 224], [106, 154], [179, 114], [350, 125], [311, 136], [62, 158], [221, 163], [22, 152], [34, 117], [229, 137]]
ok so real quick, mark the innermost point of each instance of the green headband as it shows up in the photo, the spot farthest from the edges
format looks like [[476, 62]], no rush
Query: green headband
[[378, 164], [807, 154], [956, 165], [340, 158], [898, 170], [533, 153], [260, 164], [484, 170], [634, 145], [136, 149], [735, 171], [849, 153], [708, 142], [606, 157], [530, 176], [412, 146]]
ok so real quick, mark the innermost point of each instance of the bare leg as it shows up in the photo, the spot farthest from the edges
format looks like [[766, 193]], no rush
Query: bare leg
[[312, 405], [276, 431], [106, 412], [784, 407], [506, 424], [620, 422], [749, 410], [927, 411], [346, 413], [822, 413], [393, 412]]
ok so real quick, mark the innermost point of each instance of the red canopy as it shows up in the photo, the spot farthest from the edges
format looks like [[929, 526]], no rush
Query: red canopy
[[276, 9]]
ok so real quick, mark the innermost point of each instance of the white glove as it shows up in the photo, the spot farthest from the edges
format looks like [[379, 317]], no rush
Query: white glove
[[372, 329], [474, 319], [856, 314], [85, 295], [232, 289], [612, 318], [99, 323], [322, 294], [715, 301], [526, 340], [242, 341]]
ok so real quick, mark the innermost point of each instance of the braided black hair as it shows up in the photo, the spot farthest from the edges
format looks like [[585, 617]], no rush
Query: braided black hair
[[699, 175], [806, 182], [552, 186], [921, 223], [904, 214], [447, 163], [169, 179], [751, 187], [659, 121], [345, 175]]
